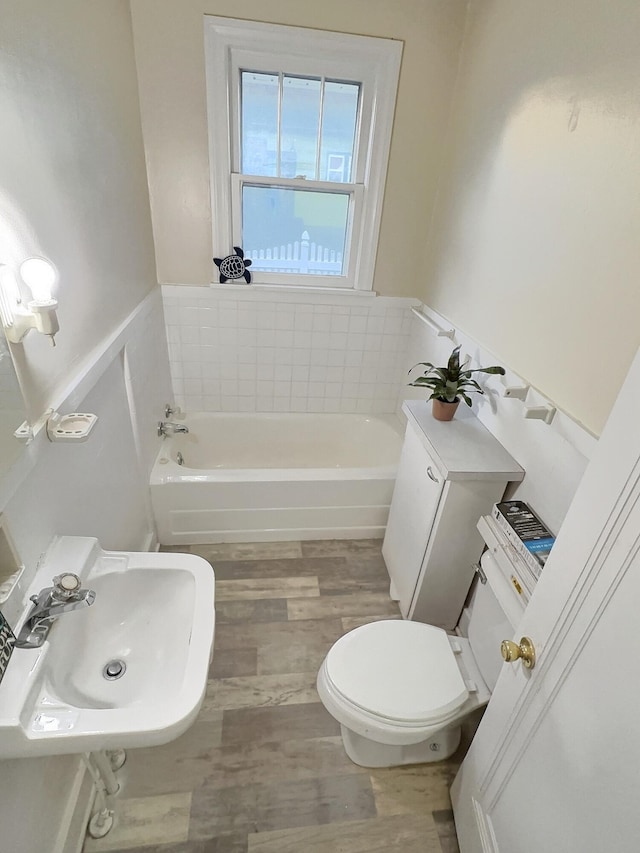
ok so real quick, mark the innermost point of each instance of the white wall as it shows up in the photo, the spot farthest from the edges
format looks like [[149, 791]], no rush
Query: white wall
[[169, 45], [146, 370], [535, 249], [73, 187], [72, 176], [11, 409], [94, 489], [554, 456], [10, 396], [99, 487]]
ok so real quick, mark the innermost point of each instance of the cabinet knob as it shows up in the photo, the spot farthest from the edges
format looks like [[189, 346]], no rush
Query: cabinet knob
[[431, 475]]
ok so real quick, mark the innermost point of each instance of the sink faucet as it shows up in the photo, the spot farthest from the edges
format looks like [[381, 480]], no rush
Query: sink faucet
[[167, 428], [52, 601]]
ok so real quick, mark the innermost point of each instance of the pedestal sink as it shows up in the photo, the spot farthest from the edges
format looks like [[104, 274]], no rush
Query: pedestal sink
[[129, 671]]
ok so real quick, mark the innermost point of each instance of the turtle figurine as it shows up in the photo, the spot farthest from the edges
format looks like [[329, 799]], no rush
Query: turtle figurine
[[233, 266]]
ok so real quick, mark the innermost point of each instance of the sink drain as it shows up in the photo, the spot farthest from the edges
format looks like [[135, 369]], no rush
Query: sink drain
[[114, 669]]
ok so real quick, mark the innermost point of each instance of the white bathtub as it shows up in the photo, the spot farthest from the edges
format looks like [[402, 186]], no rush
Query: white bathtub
[[269, 477]]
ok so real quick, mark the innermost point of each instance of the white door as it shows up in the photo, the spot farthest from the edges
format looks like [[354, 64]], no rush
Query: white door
[[555, 764]]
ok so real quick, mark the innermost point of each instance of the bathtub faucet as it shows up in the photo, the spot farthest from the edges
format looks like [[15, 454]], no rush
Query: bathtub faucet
[[168, 428]]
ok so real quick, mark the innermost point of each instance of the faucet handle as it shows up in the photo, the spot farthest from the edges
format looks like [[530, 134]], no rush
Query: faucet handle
[[66, 585], [170, 410]]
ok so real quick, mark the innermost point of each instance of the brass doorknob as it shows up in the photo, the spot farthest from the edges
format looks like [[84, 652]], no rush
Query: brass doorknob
[[525, 652]]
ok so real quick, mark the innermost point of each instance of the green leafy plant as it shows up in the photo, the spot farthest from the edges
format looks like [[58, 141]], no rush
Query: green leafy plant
[[452, 382]]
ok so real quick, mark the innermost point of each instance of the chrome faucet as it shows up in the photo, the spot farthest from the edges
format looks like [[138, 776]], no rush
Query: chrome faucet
[[167, 428], [52, 601]]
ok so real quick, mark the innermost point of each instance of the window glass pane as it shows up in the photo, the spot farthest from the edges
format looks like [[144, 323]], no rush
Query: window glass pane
[[300, 126], [259, 142], [294, 231], [339, 116]]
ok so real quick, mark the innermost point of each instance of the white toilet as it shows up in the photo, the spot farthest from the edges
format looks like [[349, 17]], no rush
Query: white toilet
[[400, 689]]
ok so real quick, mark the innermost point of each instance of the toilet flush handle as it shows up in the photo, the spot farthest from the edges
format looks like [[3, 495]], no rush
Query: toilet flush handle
[[525, 651], [431, 475]]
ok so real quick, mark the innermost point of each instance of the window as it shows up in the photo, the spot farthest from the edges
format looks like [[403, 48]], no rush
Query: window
[[299, 128]]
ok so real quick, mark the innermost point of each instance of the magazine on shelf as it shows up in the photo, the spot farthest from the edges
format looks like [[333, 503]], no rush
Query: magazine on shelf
[[530, 537]]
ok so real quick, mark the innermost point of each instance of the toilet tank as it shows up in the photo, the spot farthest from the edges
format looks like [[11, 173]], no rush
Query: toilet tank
[[488, 626]]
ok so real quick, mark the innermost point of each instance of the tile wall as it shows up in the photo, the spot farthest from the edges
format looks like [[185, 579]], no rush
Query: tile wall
[[238, 349]]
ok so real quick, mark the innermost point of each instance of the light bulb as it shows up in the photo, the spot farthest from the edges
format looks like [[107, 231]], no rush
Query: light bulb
[[40, 276]]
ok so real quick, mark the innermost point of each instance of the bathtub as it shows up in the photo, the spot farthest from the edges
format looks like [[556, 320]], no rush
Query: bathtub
[[270, 477]]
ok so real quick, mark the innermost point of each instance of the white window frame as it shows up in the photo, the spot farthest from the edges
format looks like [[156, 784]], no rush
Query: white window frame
[[233, 45]]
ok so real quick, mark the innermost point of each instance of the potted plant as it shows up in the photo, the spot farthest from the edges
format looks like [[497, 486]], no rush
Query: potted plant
[[450, 384]]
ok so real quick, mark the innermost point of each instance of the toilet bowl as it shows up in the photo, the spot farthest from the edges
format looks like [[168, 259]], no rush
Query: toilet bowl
[[401, 689]]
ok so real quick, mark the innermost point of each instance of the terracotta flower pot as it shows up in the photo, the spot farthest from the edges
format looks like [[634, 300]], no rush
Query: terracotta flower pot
[[443, 411]]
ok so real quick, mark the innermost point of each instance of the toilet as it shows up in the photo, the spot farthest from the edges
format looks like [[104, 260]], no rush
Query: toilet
[[401, 689]]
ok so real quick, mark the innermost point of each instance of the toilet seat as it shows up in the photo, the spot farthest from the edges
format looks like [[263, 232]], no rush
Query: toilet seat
[[404, 673]]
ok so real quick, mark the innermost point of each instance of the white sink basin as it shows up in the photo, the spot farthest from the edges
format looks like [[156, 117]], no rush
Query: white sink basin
[[153, 615]]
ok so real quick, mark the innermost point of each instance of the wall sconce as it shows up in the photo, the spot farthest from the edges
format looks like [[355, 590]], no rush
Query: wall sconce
[[39, 275]]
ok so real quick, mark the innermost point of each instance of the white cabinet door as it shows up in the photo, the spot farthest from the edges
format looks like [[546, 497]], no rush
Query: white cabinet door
[[413, 509]]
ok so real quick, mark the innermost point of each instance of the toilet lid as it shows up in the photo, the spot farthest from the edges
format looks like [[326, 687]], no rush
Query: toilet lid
[[404, 671]]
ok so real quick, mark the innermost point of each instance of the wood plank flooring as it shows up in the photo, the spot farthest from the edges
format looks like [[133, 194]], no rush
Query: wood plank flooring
[[263, 769]]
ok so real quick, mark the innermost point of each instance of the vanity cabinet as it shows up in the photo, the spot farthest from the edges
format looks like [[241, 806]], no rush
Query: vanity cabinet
[[449, 475]]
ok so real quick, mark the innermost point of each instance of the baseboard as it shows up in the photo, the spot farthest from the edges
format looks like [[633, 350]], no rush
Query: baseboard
[[282, 535]]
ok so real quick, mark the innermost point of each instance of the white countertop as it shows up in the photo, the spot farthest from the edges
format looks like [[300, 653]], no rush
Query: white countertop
[[463, 448]]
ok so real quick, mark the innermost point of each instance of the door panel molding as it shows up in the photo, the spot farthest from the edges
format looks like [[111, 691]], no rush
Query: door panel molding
[[485, 830]]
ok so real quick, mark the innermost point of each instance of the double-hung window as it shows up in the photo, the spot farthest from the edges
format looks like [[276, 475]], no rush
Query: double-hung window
[[299, 129]]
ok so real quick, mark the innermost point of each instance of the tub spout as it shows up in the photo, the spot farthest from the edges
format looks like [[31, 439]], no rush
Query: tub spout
[[167, 428]]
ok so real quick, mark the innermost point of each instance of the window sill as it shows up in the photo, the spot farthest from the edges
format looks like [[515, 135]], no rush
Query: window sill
[[297, 289]]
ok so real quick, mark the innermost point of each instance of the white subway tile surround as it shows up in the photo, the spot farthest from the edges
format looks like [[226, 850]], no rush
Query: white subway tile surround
[[239, 349]]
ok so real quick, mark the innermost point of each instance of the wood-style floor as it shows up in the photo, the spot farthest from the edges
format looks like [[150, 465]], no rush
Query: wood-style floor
[[263, 769]]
